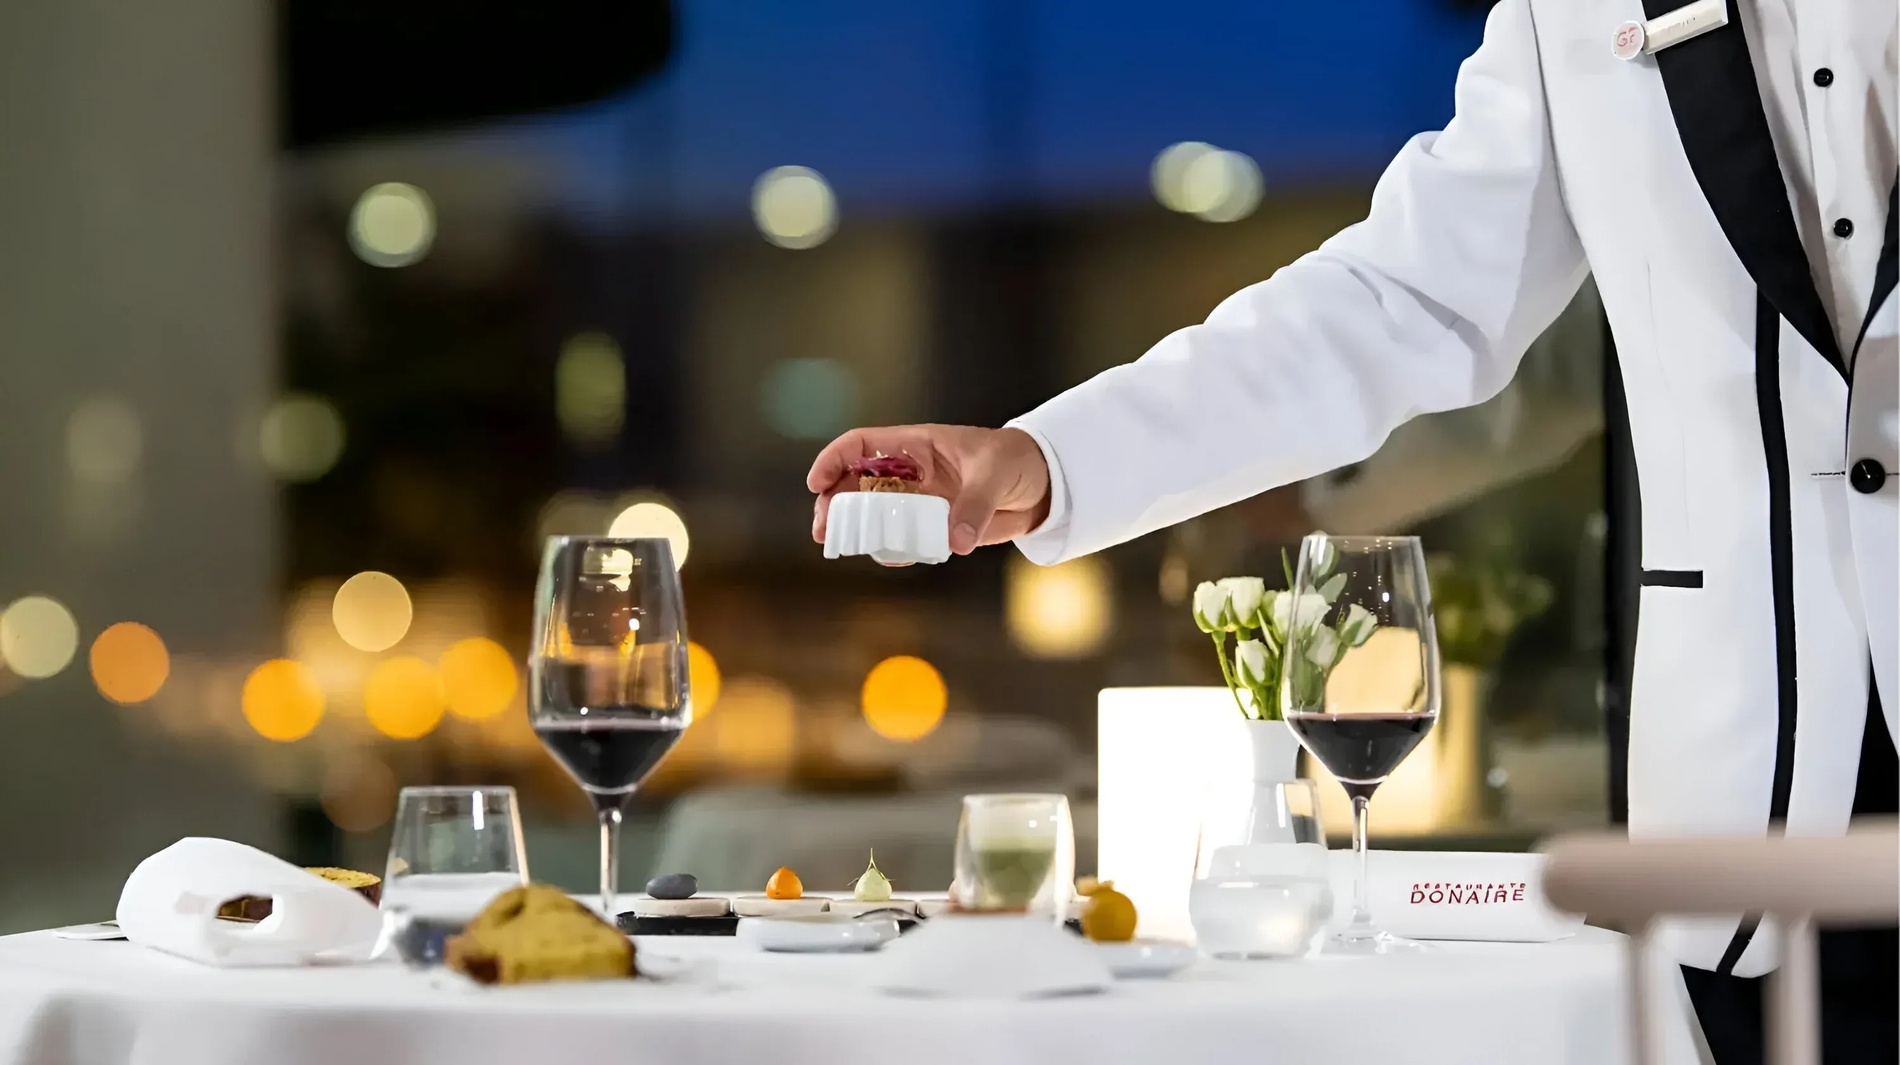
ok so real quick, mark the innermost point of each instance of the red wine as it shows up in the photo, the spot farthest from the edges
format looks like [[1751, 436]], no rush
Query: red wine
[[612, 755], [1360, 749]]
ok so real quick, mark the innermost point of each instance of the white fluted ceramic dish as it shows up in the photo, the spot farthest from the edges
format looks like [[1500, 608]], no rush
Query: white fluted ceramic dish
[[817, 934], [892, 527]]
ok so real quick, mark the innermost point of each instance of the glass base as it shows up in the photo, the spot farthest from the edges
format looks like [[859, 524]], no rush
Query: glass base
[[1364, 940]]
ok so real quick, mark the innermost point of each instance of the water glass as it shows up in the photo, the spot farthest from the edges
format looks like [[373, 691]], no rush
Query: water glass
[[453, 850], [1015, 854], [1263, 900]]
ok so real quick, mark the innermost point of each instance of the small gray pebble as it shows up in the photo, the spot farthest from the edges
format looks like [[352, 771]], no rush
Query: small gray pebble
[[673, 886]]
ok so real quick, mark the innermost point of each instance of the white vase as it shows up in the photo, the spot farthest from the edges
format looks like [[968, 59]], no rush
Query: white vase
[[1276, 759]]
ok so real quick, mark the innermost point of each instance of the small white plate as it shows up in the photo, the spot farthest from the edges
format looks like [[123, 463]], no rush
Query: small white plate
[[1146, 958], [817, 934], [102, 930]]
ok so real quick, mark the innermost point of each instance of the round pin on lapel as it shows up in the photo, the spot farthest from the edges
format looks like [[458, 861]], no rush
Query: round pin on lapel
[[1627, 41]]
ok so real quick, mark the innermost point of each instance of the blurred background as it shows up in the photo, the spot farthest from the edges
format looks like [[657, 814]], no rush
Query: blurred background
[[316, 318]]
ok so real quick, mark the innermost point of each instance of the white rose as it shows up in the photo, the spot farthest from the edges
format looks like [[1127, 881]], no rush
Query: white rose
[[1358, 626], [1321, 646], [1250, 662], [1292, 611], [1210, 607], [1243, 599]]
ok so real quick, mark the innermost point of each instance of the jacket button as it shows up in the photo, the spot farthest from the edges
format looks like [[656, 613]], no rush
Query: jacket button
[[1867, 476], [1843, 227], [1824, 77]]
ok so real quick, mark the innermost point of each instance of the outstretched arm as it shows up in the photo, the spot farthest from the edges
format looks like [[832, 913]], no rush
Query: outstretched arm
[[1427, 305]]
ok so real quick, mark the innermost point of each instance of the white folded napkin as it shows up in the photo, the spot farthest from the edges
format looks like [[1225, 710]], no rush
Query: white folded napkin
[[1468, 895], [170, 903]]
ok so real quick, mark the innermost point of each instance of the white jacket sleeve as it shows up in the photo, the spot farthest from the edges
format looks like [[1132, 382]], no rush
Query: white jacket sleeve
[[1427, 305]]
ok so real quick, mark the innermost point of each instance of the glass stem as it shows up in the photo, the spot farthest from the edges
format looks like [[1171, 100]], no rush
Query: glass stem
[[609, 859], [1361, 909]]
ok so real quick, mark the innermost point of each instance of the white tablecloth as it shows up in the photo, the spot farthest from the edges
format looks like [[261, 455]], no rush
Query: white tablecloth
[[108, 1002]]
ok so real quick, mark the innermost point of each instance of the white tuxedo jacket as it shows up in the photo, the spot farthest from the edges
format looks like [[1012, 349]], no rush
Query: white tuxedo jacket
[[1766, 448]]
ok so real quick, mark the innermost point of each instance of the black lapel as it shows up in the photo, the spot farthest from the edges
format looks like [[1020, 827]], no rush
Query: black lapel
[[1885, 272], [1724, 131], [1774, 446]]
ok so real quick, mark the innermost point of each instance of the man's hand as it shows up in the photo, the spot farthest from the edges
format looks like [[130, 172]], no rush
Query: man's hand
[[995, 479]]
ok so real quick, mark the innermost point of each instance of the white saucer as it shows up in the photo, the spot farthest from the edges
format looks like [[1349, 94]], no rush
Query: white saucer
[[1145, 958], [854, 908], [817, 934]]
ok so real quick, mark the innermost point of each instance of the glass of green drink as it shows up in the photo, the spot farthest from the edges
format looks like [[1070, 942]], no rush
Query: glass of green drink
[[1015, 854]]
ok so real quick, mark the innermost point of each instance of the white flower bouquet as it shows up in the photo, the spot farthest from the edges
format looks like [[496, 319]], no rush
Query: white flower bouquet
[[1259, 621]]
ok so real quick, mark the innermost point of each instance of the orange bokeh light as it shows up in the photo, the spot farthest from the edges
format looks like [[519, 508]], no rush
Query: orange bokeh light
[[479, 678], [129, 663], [702, 673], [403, 698], [358, 794], [904, 698], [282, 700]]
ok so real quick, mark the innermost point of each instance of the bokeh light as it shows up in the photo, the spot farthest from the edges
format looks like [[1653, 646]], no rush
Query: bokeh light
[[358, 793], [651, 519], [479, 678], [809, 399], [590, 389], [403, 698], [129, 663], [1222, 186], [794, 207], [392, 224], [572, 514], [282, 700], [38, 636], [1173, 581], [904, 698], [1168, 175], [702, 672], [104, 440], [1213, 184], [1061, 611], [756, 729], [301, 437], [372, 611]]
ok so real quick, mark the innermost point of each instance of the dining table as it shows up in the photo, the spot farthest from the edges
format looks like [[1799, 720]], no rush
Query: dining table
[[716, 999]]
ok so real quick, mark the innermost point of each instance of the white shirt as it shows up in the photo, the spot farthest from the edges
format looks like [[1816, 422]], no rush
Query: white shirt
[[1835, 143]]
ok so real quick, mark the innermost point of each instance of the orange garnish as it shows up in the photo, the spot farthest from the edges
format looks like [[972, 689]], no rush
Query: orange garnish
[[784, 885]]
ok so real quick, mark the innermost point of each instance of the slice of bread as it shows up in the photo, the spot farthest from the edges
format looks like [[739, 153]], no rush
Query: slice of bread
[[537, 933], [256, 908]]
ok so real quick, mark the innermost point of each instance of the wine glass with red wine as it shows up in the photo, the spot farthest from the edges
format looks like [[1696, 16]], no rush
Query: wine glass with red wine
[[1359, 681], [608, 691]]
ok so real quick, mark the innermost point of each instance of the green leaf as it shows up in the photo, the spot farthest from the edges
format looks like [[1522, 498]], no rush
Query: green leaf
[[1335, 584]]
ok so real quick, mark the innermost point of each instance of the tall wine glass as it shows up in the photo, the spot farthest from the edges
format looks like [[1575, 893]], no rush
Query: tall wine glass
[[608, 692], [1359, 685]]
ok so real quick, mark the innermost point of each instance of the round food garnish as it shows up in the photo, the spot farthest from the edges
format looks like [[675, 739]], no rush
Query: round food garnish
[[901, 467], [873, 886], [673, 886], [1109, 916], [784, 885]]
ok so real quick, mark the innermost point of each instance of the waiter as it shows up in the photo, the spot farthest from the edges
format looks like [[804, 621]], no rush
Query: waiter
[[1726, 169]]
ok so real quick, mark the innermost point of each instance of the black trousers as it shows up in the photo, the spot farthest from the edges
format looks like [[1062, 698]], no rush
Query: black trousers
[[1860, 968]]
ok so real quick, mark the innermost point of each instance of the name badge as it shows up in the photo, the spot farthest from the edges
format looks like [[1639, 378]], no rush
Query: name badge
[[1632, 39]]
